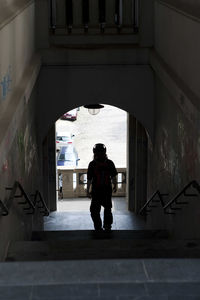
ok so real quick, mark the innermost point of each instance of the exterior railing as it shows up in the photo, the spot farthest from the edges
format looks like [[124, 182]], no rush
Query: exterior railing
[[74, 182], [94, 16]]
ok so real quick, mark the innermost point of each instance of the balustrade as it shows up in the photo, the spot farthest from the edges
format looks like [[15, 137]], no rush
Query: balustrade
[[94, 16], [75, 182]]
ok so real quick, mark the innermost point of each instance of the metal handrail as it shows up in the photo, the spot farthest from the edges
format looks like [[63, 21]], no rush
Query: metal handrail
[[192, 183], [13, 195], [38, 200], [3, 208], [144, 210]]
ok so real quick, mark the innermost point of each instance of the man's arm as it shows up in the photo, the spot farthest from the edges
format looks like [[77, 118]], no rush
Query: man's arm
[[114, 182], [89, 182]]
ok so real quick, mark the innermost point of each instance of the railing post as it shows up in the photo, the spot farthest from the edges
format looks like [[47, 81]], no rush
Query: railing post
[[52, 18], [135, 15], [68, 191], [77, 16], [85, 14], [128, 15], [118, 13], [69, 15], [93, 10], [102, 14], [60, 15], [110, 16]]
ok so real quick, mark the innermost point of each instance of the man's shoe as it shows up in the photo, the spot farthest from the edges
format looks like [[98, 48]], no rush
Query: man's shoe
[[107, 228], [98, 229]]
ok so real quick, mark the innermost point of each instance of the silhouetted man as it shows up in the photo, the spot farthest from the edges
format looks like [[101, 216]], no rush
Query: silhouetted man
[[101, 175]]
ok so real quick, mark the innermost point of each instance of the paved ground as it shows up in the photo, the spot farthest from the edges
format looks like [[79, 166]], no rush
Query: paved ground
[[74, 214], [108, 127], [116, 279], [83, 204]]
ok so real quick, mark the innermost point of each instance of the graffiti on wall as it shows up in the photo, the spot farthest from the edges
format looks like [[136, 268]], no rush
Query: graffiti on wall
[[169, 158], [189, 145], [27, 150], [5, 84], [30, 151], [179, 152]]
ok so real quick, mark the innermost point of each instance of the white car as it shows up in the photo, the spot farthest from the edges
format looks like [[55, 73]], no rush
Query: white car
[[63, 139]]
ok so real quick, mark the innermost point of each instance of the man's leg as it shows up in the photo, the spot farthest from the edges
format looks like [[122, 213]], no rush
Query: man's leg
[[95, 209], [60, 193], [108, 218]]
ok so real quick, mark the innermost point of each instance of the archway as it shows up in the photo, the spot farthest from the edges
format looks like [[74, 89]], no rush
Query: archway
[[136, 167], [62, 88], [74, 143]]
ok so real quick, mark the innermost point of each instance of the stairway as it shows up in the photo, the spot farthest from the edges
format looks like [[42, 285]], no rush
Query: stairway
[[81, 264], [118, 265], [88, 244]]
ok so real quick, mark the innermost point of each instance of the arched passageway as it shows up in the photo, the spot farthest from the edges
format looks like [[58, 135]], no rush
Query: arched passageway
[[62, 88], [130, 160]]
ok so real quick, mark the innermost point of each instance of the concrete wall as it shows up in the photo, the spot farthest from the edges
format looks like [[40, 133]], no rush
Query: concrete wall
[[16, 50], [177, 43], [174, 159], [62, 88], [20, 154]]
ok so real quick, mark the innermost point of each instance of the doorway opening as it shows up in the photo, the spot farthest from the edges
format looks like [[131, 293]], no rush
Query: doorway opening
[[77, 132]]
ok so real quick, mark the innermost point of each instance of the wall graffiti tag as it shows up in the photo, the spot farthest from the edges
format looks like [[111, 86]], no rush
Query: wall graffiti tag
[[5, 84]]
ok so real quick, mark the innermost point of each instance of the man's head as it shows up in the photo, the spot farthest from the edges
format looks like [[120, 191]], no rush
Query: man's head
[[99, 148]]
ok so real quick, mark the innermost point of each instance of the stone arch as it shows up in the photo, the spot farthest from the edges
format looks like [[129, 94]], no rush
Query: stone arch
[[62, 88]]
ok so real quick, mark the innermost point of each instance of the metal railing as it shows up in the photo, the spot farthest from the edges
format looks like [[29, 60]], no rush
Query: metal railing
[[173, 204], [27, 203], [3, 209], [83, 16], [148, 205], [174, 201], [39, 202], [17, 191]]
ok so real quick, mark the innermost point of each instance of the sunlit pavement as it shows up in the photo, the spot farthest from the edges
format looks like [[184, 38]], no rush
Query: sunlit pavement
[[83, 204], [74, 214]]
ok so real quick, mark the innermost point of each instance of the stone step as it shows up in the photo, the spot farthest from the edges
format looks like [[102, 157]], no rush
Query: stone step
[[62, 235], [115, 279], [102, 249]]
